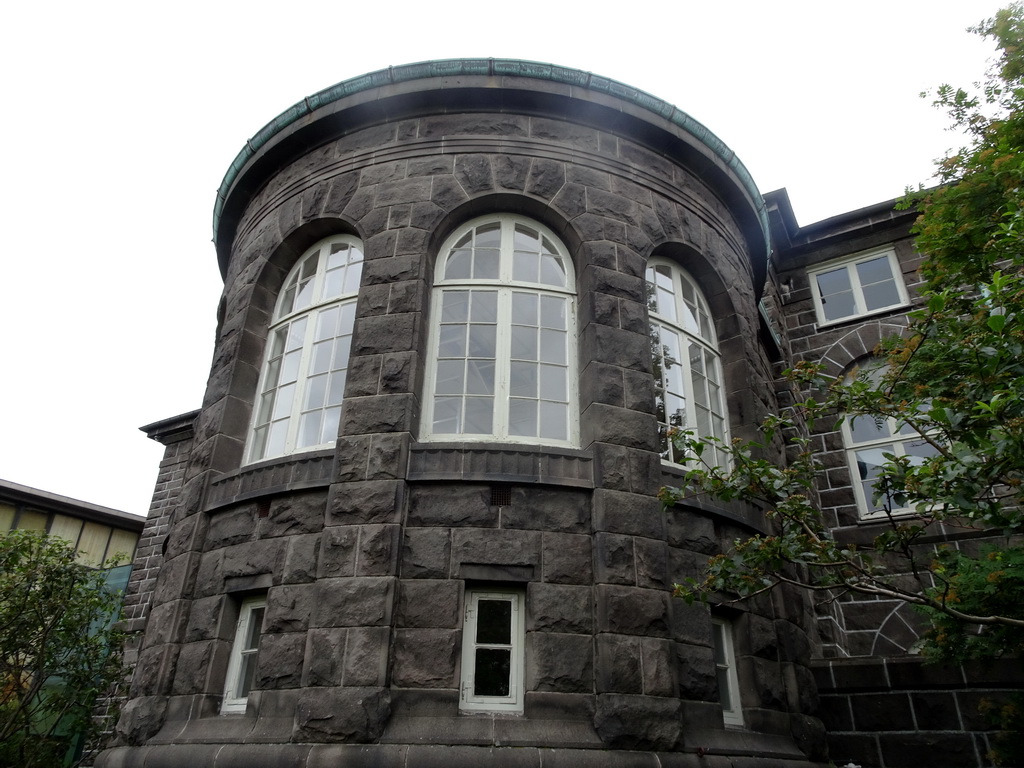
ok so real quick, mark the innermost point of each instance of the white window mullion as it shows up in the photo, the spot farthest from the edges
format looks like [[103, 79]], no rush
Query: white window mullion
[[302, 382], [503, 364]]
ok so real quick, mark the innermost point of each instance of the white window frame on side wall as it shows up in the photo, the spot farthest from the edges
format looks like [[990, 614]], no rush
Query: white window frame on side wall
[[244, 654], [476, 643], [725, 669], [861, 304], [688, 381], [864, 434], [490, 359], [297, 406]]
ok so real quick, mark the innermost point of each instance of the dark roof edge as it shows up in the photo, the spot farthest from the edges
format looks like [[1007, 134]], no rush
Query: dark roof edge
[[173, 429], [787, 235], [488, 67], [55, 501]]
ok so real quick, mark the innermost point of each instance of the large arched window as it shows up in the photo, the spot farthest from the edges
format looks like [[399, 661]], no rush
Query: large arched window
[[502, 336], [298, 407], [687, 370]]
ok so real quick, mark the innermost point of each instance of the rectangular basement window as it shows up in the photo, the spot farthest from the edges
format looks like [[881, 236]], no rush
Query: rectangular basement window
[[493, 640], [244, 652]]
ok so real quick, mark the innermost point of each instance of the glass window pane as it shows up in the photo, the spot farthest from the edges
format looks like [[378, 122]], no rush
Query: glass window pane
[[327, 324], [246, 675], [453, 341], [336, 390], [874, 270], [447, 413], [553, 312], [523, 379], [276, 439], [485, 307], [838, 306], [316, 392], [552, 346], [321, 362], [352, 277], [290, 366], [338, 257], [553, 383], [283, 402], [482, 340], [488, 235], [494, 621], [454, 306], [92, 544], [334, 284], [296, 334], [6, 517], [66, 528], [554, 420], [525, 267], [524, 308], [552, 270], [880, 295], [485, 264], [458, 265], [30, 520], [493, 669], [122, 546], [252, 641], [329, 428], [524, 342], [526, 238], [724, 692], [864, 429], [304, 296], [309, 429], [834, 281], [450, 377], [479, 416], [480, 377], [522, 417]]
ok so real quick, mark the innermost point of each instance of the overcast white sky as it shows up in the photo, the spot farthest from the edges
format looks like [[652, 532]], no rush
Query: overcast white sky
[[119, 120]]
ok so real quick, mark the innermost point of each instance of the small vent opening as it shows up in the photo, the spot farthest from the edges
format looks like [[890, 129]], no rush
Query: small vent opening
[[501, 496]]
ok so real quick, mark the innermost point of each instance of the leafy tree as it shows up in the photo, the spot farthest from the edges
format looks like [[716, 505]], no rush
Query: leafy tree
[[956, 378], [59, 649]]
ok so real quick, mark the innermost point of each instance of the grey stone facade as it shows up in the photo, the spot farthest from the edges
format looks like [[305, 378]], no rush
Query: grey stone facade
[[365, 551]]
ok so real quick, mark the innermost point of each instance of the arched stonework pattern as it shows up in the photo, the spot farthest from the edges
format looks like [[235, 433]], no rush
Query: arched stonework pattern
[[858, 343]]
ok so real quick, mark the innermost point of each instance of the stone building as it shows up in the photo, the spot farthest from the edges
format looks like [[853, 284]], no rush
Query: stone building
[[416, 519]]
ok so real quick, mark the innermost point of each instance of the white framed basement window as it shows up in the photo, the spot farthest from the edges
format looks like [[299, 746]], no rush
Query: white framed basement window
[[244, 652], [858, 285], [503, 337], [687, 367], [725, 670], [493, 643], [302, 383]]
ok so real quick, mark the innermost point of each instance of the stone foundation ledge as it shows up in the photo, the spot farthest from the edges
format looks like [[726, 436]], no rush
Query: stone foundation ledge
[[418, 756]]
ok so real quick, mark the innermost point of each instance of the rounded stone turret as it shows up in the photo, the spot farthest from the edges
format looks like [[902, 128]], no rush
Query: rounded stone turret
[[465, 304]]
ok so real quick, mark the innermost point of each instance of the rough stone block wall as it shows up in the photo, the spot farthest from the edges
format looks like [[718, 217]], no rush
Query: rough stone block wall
[[149, 554], [905, 713], [365, 551]]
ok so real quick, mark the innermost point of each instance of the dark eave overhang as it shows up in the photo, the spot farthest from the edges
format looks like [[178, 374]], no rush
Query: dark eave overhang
[[437, 87], [54, 502], [790, 240]]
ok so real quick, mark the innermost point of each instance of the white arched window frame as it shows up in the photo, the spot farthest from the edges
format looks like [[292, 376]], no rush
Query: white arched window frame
[[502, 345], [868, 440], [687, 367], [302, 383]]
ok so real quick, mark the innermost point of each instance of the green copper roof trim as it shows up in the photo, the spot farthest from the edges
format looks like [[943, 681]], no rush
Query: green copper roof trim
[[490, 67]]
